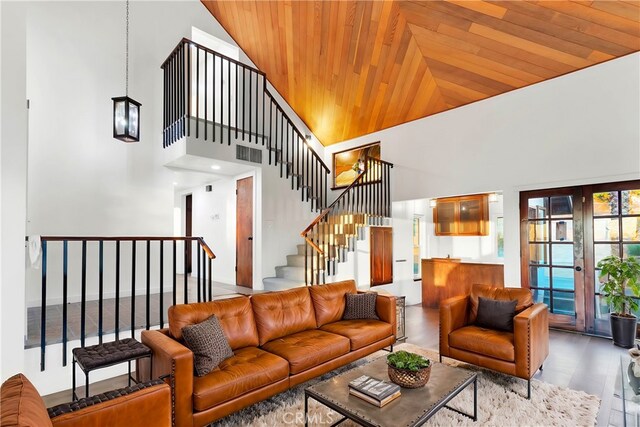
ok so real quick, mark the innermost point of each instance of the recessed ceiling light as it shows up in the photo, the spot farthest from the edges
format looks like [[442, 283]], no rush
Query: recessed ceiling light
[[215, 167]]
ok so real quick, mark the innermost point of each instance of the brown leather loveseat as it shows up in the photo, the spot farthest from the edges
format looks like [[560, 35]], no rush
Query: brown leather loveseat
[[144, 404], [519, 353], [279, 340]]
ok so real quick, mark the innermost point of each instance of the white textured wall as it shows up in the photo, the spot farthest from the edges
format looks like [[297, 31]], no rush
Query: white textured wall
[[13, 174], [580, 128]]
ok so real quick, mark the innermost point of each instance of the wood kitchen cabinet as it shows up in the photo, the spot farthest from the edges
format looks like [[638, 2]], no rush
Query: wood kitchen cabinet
[[381, 255], [462, 216]]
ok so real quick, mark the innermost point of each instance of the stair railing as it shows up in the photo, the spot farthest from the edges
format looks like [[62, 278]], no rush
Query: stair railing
[[366, 201], [124, 280], [217, 98]]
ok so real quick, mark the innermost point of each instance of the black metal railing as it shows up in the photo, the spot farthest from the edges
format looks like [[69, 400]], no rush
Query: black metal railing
[[214, 97], [58, 248], [366, 201]]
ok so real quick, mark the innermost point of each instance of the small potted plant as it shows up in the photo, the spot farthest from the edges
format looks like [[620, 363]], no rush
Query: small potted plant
[[620, 280], [409, 370]]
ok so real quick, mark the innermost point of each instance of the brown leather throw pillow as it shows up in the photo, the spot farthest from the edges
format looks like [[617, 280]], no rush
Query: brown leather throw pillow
[[360, 306], [496, 314], [209, 345]]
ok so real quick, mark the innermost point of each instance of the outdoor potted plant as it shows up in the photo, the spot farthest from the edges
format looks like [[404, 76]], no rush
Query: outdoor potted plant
[[409, 370], [620, 280]]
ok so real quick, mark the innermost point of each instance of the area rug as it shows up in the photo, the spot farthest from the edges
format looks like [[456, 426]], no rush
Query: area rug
[[501, 402]]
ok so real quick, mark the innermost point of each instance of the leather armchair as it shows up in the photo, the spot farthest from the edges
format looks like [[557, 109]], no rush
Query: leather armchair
[[144, 404], [519, 353]]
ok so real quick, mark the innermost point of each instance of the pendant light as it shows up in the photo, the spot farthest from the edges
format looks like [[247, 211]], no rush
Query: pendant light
[[126, 111]]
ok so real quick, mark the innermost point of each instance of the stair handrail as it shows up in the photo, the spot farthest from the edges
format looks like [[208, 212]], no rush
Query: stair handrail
[[204, 279], [200, 240]]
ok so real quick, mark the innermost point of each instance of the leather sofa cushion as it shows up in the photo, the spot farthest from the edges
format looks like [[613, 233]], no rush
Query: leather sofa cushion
[[523, 296], [307, 349], [488, 342], [360, 332], [21, 404], [235, 316], [249, 369], [329, 300], [283, 313]]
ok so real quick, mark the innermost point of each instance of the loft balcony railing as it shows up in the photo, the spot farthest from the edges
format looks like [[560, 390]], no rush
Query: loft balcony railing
[[367, 201], [211, 96], [96, 257]]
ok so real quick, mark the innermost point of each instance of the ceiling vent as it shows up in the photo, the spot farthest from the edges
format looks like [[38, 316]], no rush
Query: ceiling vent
[[248, 154]]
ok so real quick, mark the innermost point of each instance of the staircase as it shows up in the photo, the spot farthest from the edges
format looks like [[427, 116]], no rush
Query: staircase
[[213, 97], [335, 232], [290, 275]]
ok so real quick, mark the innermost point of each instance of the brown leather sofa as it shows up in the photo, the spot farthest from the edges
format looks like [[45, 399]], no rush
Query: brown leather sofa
[[279, 340], [519, 353], [139, 405]]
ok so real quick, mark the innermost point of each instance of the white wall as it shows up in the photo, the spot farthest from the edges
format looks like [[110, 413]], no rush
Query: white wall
[[13, 180], [214, 219], [68, 59], [580, 128]]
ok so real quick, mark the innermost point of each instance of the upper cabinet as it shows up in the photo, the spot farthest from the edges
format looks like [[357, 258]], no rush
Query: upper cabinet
[[462, 216]]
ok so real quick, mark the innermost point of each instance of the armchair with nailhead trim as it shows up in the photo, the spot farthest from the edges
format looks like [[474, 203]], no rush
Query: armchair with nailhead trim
[[520, 352]]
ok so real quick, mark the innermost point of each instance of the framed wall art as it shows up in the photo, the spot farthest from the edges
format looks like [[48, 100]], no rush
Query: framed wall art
[[348, 163]]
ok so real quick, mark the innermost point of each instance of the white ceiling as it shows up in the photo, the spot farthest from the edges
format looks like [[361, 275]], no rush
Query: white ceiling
[[192, 171]]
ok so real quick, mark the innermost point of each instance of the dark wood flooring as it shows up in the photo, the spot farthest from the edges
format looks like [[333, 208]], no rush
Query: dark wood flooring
[[575, 361]]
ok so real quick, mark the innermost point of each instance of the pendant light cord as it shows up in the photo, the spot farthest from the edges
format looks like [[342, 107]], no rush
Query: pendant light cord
[[126, 74]]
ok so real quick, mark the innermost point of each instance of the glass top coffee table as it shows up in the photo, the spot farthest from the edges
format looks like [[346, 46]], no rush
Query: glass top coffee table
[[413, 408]]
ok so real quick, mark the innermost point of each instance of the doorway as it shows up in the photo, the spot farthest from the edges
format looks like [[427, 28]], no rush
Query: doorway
[[244, 232], [381, 257], [564, 233], [188, 230]]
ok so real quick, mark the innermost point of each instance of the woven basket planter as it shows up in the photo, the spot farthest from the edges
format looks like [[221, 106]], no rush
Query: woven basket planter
[[409, 379]]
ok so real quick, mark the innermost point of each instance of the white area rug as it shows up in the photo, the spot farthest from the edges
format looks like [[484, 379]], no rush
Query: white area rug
[[501, 402]]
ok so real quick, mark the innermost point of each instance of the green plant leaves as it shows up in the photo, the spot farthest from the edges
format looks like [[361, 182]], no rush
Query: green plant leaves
[[620, 283], [405, 360]]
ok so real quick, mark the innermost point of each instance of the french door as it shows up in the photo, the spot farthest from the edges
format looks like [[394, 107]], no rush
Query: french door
[[553, 253], [564, 233]]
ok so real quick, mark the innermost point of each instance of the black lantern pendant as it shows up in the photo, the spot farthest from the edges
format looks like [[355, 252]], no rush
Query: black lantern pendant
[[126, 119], [126, 111]]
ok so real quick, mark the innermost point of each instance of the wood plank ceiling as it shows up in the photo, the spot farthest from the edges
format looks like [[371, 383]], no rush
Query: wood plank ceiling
[[349, 68]]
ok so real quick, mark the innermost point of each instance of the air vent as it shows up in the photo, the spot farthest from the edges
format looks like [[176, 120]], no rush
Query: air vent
[[248, 154]]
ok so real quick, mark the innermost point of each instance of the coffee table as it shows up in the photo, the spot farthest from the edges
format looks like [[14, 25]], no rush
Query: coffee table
[[413, 408]]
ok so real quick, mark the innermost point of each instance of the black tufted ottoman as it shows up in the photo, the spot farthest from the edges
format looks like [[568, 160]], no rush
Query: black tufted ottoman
[[108, 354]]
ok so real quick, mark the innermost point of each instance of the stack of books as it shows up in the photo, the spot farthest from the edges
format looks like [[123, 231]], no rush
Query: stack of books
[[374, 391]]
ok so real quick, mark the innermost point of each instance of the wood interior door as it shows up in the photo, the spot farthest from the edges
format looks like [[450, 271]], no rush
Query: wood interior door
[[244, 232], [381, 255], [188, 230]]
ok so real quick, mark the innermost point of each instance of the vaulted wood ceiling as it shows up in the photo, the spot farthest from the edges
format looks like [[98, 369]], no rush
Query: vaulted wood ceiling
[[349, 68]]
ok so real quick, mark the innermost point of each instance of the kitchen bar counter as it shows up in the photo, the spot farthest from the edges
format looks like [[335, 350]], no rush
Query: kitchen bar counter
[[443, 278]]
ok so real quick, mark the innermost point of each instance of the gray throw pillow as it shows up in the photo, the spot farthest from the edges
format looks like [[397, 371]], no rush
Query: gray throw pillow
[[360, 306], [208, 344], [496, 314]]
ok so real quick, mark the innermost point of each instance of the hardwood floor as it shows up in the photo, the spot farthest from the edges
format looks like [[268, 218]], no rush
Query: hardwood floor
[[576, 361]]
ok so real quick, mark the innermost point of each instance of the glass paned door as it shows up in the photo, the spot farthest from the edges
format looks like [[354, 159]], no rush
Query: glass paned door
[[612, 226], [552, 253]]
